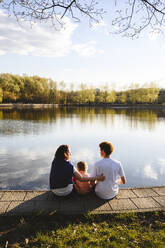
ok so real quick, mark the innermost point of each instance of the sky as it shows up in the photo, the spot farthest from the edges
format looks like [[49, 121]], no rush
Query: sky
[[80, 53]]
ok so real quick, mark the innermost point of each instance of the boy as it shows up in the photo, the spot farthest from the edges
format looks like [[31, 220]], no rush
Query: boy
[[112, 170]]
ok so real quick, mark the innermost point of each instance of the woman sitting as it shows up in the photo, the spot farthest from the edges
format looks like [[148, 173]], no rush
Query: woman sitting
[[62, 172]]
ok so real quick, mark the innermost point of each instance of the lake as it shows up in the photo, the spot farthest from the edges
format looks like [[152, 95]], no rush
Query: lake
[[29, 139]]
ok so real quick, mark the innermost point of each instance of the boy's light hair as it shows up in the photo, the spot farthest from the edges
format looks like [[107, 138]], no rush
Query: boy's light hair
[[82, 166]]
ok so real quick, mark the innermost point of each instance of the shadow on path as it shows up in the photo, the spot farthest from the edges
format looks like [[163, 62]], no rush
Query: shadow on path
[[43, 211], [47, 203]]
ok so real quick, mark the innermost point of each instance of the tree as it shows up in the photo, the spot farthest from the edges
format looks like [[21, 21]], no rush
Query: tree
[[53, 94], [11, 91], [63, 94], [105, 91], [27, 89], [91, 95], [82, 93], [123, 97], [98, 96], [130, 17], [112, 96], [1, 95]]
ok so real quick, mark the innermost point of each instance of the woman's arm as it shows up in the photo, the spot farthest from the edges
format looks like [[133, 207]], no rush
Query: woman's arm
[[79, 177]]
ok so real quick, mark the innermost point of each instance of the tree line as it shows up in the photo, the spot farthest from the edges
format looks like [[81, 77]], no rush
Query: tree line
[[35, 89]]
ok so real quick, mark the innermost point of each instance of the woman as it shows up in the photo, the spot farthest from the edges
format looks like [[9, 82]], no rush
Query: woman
[[62, 172]]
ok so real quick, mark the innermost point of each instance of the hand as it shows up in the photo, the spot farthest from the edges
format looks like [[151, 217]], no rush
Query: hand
[[121, 180], [101, 177], [118, 181], [92, 180]]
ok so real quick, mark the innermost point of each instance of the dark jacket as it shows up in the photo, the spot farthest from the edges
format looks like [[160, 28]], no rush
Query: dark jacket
[[61, 174]]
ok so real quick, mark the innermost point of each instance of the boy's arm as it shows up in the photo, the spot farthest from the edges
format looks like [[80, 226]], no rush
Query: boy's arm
[[92, 183], [121, 180]]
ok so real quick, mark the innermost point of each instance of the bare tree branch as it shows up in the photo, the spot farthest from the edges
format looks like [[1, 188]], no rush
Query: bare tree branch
[[154, 6], [144, 14], [131, 16]]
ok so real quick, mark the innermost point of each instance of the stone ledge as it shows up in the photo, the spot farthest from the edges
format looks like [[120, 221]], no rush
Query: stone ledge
[[28, 202]]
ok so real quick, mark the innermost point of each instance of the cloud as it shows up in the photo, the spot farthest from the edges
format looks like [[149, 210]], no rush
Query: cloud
[[84, 154], [40, 39], [97, 25], [149, 172], [161, 162], [101, 26], [87, 49], [30, 168], [2, 52], [28, 154], [3, 151]]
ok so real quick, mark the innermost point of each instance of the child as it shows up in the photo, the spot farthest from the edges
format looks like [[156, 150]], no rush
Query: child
[[83, 187]]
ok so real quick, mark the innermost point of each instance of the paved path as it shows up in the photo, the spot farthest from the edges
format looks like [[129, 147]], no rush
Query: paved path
[[23, 202]]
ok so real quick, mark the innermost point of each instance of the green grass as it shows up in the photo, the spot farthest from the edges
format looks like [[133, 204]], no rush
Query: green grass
[[131, 230]]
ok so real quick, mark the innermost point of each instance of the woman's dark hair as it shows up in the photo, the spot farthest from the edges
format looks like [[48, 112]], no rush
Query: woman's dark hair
[[61, 152], [107, 147]]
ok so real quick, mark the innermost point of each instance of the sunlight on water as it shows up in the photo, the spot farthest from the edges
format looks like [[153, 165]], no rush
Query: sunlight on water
[[29, 138]]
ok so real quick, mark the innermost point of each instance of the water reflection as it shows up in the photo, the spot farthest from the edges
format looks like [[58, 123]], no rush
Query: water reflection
[[34, 120], [29, 138]]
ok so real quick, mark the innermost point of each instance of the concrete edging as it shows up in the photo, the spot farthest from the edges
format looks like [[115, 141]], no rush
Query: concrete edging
[[29, 202]]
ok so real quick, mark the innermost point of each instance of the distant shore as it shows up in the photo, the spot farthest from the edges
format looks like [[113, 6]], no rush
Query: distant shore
[[27, 106], [45, 106]]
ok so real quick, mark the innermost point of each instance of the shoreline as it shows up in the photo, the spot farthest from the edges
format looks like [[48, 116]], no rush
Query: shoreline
[[45, 106], [27, 106], [25, 202]]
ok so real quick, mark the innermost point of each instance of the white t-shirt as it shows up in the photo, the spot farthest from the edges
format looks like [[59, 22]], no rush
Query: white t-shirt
[[112, 170]]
